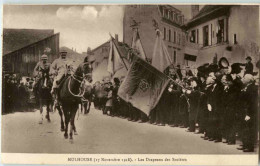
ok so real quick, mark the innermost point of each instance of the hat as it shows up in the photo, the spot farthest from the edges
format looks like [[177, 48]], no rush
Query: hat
[[202, 71], [212, 68], [63, 50], [89, 59], [116, 80], [44, 57], [248, 58], [235, 68]]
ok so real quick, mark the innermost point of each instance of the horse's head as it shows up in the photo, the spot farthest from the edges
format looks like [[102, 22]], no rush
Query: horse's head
[[85, 71]]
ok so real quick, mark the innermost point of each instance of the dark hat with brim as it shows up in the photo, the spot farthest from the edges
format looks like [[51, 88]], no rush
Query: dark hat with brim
[[236, 68], [213, 68], [248, 58]]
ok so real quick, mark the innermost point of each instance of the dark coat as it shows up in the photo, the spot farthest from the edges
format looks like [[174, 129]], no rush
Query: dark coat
[[214, 99], [194, 100], [249, 68], [249, 102]]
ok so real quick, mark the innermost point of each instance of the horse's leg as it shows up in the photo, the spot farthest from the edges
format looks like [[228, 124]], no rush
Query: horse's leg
[[73, 124], [72, 118], [41, 110], [48, 104], [89, 105], [61, 118], [67, 120]]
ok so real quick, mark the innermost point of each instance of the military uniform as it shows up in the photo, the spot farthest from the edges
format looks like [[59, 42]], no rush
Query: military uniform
[[40, 67], [59, 68]]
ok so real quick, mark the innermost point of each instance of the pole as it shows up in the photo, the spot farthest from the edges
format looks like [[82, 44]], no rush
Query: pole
[[118, 52]]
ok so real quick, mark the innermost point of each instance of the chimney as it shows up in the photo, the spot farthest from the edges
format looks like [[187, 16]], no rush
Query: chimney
[[194, 10], [116, 37]]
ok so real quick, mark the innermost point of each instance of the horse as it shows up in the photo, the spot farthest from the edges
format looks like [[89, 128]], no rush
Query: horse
[[43, 91], [70, 95]]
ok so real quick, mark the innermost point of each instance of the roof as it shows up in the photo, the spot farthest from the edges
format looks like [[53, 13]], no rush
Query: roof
[[102, 45], [208, 12], [14, 39]]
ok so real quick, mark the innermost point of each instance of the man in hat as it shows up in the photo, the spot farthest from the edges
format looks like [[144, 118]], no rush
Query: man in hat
[[249, 67], [249, 106], [59, 69], [214, 92], [42, 65]]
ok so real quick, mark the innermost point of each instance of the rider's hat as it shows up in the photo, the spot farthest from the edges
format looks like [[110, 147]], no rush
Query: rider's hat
[[44, 57], [89, 59], [63, 50]]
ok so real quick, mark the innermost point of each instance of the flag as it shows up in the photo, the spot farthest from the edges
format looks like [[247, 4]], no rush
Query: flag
[[115, 61], [143, 85], [161, 59], [137, 44]]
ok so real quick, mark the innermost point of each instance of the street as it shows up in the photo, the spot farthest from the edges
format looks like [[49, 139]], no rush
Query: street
[[21, 133]]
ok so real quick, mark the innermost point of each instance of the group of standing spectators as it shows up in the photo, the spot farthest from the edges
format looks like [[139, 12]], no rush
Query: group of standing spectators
[[17, 94], [219, 103]]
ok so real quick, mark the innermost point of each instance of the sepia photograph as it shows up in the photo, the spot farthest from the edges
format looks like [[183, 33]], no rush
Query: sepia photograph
[[130, 83]]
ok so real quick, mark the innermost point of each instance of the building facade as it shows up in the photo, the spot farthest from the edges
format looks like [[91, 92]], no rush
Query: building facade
[[230, 31], [146, 18], [24, 59]]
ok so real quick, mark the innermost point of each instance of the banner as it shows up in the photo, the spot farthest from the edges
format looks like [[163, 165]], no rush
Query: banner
[[143, 85]]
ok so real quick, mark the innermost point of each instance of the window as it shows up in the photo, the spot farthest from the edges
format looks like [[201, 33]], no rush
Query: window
[[169, 14], [166, 13], [193, 36], [206, 35], [163, 12], [220, 31], [176, 18], [210, 34], [174, 37], [235, 38], [179, 39], [164, 33], [170, 35], [198, 36], [174, 56]]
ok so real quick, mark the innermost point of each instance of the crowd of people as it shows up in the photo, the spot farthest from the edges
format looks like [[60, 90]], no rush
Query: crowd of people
[[17, 93], [217, 103]]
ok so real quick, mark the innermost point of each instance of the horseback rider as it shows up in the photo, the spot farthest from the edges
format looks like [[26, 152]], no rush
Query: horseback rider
[[59, 70], [42, 66]]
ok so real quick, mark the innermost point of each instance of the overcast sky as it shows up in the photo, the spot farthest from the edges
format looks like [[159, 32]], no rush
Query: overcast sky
[[80, 27]]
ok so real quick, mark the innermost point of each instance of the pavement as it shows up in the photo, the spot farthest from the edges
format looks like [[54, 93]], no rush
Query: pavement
[[100, 134]]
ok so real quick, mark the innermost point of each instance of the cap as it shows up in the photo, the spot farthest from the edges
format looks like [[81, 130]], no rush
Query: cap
[[89, 59], [44, 57], [63, 50]]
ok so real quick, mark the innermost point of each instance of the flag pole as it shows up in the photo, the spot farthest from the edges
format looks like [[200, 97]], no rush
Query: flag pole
[[118, 52]]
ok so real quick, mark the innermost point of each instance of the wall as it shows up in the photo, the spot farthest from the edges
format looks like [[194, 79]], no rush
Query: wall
[[143, 14], [242, 21], [100, 53], [24, 60]]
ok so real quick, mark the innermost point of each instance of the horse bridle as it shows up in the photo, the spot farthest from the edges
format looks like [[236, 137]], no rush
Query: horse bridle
[[81, 80]]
